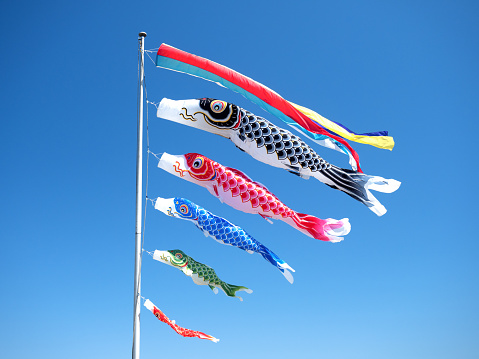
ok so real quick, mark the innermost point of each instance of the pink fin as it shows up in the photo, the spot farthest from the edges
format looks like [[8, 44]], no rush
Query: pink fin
[[267, 218], [239, 173], [325, 230]]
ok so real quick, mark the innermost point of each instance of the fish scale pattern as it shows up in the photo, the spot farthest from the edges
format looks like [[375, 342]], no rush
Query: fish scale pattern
[[206, 272], [225, 232], [220, 229], [282, 142], [230, 179], [201, 273], [209, 275], [274, 146]]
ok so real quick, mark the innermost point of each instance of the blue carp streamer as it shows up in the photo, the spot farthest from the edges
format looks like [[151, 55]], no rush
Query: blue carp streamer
[[220, 230]]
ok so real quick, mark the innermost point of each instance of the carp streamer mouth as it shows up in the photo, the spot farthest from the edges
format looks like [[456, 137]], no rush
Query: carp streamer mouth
[[213, 121], [186, 116], [177, 168]]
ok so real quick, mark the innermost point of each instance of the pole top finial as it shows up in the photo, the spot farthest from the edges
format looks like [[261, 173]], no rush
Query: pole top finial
[[142, 34]]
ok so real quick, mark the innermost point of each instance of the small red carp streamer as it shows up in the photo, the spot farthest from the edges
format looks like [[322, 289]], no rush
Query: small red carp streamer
[[181, 331]]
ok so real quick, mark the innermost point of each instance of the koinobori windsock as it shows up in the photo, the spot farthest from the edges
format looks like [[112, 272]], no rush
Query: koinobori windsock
[[327, 133], [236, 189], [180, 330], [199, 272], [220, 229], [275, 146]]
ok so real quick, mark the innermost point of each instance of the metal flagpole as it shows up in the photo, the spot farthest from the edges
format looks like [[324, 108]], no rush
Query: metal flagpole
[[139, 187]]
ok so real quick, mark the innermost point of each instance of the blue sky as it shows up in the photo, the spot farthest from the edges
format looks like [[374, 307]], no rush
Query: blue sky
[[403, 285]]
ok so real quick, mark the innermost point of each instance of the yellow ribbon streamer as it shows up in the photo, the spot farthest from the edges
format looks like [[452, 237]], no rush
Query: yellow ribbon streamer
[[385, 142]]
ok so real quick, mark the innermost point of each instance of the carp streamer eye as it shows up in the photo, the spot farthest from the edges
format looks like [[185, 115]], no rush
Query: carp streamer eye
[[198, 163], [178, 255], [218, 106], [184, 209]]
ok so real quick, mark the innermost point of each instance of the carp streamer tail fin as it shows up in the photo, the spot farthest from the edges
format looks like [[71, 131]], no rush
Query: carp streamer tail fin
[[329, 230], [357, 185], [231, 290], [277, 262]]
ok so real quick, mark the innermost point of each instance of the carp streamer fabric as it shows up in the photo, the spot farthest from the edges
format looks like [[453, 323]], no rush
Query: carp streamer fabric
[[181, 331], [199, 272], [237, 190], [324, 131], [220, 229], [274, 146]]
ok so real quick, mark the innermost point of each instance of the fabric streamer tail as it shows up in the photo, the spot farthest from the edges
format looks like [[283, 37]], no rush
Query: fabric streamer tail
[[231, 290], [357, 185], [277, 262], [329, 230]]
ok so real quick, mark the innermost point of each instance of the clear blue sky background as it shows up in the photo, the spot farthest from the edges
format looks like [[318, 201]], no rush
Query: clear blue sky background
[[401, 286]]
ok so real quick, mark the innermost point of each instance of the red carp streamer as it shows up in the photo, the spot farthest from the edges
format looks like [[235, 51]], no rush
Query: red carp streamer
[[181, 331]]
